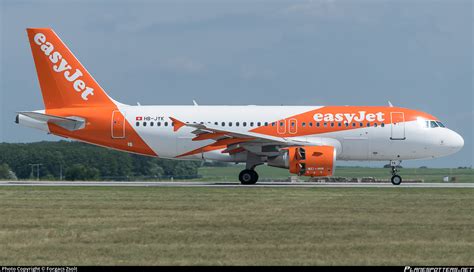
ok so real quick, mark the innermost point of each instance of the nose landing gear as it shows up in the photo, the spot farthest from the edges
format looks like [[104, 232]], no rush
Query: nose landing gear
[[396, 179]]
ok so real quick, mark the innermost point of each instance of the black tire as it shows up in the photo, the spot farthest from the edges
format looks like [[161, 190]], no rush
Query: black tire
[[396, 180], [248, 177]]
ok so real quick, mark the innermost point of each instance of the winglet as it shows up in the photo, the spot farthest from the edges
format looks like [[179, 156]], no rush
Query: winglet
[[177, 124]]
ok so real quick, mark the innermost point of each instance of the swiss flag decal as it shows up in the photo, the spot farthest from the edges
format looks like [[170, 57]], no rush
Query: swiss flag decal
[[139, 118]]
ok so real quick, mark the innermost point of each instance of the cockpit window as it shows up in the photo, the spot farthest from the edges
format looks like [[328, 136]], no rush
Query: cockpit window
[[431, 124]]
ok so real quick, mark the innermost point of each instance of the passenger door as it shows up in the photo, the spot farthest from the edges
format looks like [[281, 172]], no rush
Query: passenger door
[[118, 125], [397, 126]]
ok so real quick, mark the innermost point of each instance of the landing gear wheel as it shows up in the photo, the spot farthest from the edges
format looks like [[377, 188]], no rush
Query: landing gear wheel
[[248, 177], [396, 180]]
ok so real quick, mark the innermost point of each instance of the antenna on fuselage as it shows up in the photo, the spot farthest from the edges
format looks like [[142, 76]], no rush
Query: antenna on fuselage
[[194, 102], [138, 104], [390, 104]]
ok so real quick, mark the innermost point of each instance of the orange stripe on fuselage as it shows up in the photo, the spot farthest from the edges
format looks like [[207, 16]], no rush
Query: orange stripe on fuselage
[[352, 111]]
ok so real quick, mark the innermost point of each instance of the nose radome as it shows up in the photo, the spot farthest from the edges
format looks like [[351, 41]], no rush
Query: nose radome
[[455, 141]]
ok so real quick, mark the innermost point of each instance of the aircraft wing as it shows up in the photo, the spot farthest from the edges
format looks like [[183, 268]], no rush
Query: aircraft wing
[[237, 141]]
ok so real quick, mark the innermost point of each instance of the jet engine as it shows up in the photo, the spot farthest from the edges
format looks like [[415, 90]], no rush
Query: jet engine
[[313, 161]]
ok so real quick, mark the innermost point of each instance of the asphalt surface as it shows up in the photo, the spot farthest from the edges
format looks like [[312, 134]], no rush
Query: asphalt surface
[[229, 184]]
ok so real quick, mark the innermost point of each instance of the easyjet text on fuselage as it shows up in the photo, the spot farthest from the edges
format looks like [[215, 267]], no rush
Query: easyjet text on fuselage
[[360, 116]]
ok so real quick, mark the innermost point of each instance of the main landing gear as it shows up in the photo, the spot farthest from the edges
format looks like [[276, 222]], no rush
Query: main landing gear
[[248, 175], [396, 179]]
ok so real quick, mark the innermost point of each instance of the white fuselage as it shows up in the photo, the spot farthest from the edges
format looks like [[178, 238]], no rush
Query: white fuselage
[[359, 143]]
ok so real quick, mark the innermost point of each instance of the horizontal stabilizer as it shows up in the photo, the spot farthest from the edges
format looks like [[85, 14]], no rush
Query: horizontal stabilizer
[[70, 123]]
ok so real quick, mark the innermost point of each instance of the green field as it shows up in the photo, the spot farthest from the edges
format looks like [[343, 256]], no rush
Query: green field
[[266, 172], [236, 226]]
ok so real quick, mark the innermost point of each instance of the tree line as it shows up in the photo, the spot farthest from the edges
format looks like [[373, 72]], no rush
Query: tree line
[[78, 161]]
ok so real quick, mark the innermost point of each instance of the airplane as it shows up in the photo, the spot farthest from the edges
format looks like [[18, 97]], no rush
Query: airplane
[[306, 140]]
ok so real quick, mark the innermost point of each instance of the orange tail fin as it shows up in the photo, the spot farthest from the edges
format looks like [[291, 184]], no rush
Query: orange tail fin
[[63, 80]]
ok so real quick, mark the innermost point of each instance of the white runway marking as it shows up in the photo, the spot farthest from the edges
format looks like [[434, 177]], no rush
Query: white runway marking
[[229, 184]]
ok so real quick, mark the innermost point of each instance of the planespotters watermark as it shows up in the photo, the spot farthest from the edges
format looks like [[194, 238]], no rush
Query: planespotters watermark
[[438, 269], [39, 269]]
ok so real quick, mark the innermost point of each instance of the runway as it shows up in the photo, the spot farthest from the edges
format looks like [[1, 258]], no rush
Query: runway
[[228, 184]]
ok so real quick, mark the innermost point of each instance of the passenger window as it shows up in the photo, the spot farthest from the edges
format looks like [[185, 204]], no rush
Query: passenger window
[[317, 124], [230, 124], [202, 123], [251, 124], [158, 124], [353, 124], [303, 124], [375, 124], [361, 124], [223, 124], [310, 124], [237, 124], [244, 124], [273, 124], [332, 124], [325, 124], [144, 124], [137, 124], [346, 124], [266, 124], [383, 124], [166, 124], [339, 124], [368, 124], [216, 123], [151, 124], [259, 124], [433, 124]]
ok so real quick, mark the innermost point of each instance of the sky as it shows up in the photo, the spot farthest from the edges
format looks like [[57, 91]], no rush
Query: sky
[[417, 54]]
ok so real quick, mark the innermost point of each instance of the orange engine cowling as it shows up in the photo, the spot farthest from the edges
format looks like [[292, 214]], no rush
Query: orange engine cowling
[[313, 161]]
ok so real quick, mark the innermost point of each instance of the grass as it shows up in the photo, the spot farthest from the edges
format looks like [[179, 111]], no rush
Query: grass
[[238, 226], [266, 172]]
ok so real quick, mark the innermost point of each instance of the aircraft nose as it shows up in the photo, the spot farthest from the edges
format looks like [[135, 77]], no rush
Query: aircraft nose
[[455, 141]]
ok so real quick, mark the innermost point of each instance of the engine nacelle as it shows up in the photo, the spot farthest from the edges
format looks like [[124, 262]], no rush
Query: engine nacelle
[[313, 161]]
